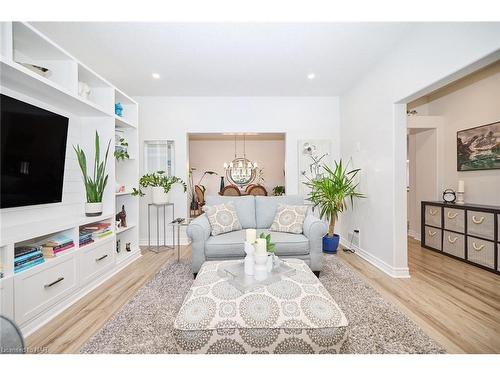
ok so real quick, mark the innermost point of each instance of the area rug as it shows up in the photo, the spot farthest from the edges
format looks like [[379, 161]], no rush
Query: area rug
[[145, 323]]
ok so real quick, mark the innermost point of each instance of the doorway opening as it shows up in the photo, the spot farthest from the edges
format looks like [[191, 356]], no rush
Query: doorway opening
[[234, 164]]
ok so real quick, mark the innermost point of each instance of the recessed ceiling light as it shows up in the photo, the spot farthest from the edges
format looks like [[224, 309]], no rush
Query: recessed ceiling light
[[311, 76], [155, 75]]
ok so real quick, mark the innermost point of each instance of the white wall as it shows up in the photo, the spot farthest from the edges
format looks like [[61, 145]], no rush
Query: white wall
[[210, 155], [174, 117], [463, 106], [373, 129], [423, 156]]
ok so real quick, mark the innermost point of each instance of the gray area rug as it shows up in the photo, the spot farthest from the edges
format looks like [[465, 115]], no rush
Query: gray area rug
[[145, 323]]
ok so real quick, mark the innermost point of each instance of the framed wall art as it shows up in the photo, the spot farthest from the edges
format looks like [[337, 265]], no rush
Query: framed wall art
[[479, 148]]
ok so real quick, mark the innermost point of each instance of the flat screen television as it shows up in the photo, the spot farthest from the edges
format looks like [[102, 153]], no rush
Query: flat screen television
[[32, 154]]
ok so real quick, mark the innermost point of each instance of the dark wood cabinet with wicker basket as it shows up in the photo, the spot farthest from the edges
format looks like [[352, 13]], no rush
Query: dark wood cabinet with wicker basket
[[468, 232]]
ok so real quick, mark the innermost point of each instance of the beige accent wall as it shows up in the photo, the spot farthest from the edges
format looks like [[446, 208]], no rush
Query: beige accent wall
[[470, 102], [211, 155]]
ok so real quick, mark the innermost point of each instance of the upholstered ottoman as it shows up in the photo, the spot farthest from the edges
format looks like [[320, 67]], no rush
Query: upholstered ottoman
[[293, 315]]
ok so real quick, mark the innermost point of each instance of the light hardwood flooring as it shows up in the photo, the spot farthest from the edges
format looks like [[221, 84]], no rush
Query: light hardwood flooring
[[455, 303]]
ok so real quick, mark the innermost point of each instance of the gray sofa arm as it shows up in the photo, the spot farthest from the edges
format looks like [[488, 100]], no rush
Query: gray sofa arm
[[314, 230], [198, 231]]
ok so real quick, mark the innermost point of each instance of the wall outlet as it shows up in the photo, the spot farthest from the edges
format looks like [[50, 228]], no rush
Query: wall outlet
[[356, 238]]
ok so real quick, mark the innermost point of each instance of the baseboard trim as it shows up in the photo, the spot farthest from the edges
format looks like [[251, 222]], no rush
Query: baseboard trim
[[414, 235], [395, 272]]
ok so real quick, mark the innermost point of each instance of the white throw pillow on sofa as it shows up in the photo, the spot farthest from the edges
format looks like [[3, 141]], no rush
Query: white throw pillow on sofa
[[223, 218], [289, 219]]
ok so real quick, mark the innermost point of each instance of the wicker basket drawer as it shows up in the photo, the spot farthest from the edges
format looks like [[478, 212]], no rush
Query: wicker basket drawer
[[454, 219], [481, 224], [433, 237], [481, 252], [454, 244], [433, 215]]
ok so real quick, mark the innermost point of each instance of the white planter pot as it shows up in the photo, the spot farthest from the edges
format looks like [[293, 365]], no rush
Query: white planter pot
[[93, 209], [159, 195]]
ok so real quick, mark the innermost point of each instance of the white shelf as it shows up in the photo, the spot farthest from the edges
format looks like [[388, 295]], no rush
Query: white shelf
[[36, 229], [129, 192], [98, 242], [18, 78], [122, 123], [121, 230]]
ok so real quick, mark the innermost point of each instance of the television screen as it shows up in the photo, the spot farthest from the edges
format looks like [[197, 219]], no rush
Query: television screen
[[32, 154]]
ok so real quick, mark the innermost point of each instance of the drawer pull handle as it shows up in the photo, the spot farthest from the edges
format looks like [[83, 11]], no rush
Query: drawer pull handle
[[476, 220], [476, 247], [450, 240], [432, 233], [433, 212], [452, 215], [101, 258], [54, 282]]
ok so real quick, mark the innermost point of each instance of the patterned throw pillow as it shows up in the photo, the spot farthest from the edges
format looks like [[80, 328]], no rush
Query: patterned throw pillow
[[223, 218], [289, 219]]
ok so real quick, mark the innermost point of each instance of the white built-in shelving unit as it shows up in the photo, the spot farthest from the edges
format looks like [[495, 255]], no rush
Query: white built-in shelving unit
[[24, 296]]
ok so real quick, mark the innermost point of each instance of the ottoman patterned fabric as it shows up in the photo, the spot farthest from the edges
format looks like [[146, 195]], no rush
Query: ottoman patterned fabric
[[223, 218], [293, 315], [289, 219]]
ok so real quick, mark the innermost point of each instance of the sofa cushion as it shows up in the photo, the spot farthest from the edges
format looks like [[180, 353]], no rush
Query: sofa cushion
[[229, 245], [289, 219], [245, 208], [223, 218], [265, 207]]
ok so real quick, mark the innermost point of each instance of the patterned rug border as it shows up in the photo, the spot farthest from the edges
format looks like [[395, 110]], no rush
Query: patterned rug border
[[144, 324]]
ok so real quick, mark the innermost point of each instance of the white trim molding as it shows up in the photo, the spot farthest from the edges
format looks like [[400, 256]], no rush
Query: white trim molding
[[396, 272], [414, 235]]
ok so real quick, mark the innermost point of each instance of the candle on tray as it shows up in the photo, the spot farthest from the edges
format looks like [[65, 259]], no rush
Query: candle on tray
[[251, 235], [261, 247]]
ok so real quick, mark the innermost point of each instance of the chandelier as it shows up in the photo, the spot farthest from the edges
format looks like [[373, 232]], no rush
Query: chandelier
[[240, 171]]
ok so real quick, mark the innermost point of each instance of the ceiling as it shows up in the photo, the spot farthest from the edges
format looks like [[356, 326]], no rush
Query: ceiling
[[228, 59]]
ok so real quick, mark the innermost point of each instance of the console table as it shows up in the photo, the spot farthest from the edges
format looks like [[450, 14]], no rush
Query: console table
[[468, 232]]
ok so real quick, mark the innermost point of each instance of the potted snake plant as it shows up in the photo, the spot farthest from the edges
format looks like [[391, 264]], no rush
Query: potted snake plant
[[160, 184], [331, 192], [95, 183]]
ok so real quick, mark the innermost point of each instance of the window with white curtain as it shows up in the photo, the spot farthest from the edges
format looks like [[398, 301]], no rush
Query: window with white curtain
[[159, 156]]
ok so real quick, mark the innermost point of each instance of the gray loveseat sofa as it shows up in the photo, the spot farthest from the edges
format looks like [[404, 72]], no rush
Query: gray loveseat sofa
[[256, 212]]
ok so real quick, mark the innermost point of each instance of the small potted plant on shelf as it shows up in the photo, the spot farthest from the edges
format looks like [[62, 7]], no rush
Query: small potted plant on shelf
[[121, 152], [160, 184], [95, 184], [330, 192], [279, 190]]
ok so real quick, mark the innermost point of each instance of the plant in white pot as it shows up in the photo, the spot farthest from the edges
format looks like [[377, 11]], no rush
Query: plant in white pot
[[330, 193], [96, 183], [160, 184]]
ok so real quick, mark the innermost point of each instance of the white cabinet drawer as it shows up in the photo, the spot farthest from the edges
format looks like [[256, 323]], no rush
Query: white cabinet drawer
[[95, 260], [41, 287], [7, 297]]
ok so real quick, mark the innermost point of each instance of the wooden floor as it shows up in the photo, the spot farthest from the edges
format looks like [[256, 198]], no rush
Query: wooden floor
[[455, 303]]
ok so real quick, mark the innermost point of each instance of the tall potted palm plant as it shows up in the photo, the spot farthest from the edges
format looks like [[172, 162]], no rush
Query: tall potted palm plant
[[331, 193], [96, 183]]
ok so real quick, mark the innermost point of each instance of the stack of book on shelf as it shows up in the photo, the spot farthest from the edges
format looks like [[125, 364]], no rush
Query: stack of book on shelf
[[85, 238], [26, 257], [56, 244], [95, 231]]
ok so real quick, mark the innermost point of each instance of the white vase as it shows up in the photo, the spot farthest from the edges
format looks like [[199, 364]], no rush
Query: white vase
[[159, 195], [93, 209]]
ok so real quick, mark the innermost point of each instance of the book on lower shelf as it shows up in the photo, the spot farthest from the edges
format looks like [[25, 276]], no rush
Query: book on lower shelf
[[94, 232], [57, 244], [26, 257]]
